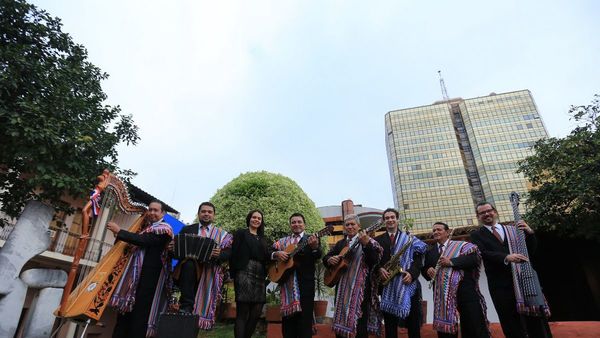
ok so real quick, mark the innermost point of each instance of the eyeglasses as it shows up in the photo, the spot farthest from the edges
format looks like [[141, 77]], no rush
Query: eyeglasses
[[485, 211]]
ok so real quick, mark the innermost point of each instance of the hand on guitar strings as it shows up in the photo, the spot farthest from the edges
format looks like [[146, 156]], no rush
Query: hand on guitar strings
[[516, 258], [281, 256]]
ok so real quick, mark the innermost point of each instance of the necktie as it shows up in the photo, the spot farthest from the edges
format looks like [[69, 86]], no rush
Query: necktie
[[203, 231], [296, 239], [496, 234], [393, 239], [441, 248]]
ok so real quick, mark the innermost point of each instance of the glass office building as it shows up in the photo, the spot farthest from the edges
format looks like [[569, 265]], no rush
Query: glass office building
[[446, 157]]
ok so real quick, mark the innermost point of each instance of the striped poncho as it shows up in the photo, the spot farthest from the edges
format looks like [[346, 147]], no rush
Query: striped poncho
[[395, 297], [447, 280], [350, 294], [208, 293], [290, 289]]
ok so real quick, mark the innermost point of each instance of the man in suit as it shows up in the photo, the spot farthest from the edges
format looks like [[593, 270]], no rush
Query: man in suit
[[200, 284], [143, 288], [492, 241], [459, 264], [298, 286], [355, 294], [401, 297]]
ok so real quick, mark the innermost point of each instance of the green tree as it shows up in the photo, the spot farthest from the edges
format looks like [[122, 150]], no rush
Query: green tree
[[565, 173], [275, 195], [56, 133]]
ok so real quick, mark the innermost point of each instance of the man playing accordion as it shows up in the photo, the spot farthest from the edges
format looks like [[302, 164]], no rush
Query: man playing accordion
[[200, 284]]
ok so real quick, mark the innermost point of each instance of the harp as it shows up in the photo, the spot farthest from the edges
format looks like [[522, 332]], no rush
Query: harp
[[89, 299]]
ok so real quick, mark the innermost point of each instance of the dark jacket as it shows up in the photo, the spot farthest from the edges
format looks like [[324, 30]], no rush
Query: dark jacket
[[386, 243], [369, 252], [493, 252], [241, 250]]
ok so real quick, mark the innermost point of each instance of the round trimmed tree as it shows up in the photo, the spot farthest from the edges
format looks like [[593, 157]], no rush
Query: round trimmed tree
[[277, 196]]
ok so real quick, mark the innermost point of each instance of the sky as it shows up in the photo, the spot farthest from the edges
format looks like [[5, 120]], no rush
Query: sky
[[300, 88]]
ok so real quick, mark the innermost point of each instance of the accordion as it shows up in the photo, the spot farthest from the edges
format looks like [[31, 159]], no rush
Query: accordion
[[193, 246]]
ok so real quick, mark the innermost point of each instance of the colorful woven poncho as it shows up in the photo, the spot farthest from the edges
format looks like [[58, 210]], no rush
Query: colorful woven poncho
[[445, 313], [522, 308], [208, 294], [290, 290], [395, 297], [350, 293]]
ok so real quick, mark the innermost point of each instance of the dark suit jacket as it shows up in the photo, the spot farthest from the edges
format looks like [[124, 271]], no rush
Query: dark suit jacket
[[240, 251], [386, 243], [304, 265], [493, 252], [467, 287], [193, 229]]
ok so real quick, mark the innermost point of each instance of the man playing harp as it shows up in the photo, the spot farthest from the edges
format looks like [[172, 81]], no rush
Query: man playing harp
[[142, 290], [494, 244], [200, 284]]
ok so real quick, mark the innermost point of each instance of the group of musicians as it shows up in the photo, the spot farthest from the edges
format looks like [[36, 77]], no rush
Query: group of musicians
[[379, 281]]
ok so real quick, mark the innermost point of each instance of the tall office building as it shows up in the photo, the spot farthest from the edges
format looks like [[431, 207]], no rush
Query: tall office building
[[446, 157]]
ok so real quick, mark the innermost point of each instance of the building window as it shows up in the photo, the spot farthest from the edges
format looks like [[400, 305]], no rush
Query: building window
[[406, 206]]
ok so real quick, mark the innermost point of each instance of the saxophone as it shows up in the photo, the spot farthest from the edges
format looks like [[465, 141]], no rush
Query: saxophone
[[393, 265]]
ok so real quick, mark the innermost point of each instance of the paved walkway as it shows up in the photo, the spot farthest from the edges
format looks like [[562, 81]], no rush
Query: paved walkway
[[559, 330]]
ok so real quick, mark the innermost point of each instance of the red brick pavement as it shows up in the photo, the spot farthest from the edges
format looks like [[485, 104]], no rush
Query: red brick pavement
[[559, 330]]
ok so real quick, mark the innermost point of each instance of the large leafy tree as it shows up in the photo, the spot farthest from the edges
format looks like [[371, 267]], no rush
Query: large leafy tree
[[275, 195], [56, 133], [565, 173]]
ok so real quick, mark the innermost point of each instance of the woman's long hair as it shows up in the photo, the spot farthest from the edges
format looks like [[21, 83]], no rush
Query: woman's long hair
[[261, 228]]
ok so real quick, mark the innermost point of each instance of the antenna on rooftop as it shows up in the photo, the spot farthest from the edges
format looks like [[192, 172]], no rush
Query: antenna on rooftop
[[443, 86]]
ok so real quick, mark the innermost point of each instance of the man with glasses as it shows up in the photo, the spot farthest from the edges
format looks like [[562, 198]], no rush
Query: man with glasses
[[492, 241]]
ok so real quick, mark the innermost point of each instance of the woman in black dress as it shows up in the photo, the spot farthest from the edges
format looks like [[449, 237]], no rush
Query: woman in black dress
[[248, 261]]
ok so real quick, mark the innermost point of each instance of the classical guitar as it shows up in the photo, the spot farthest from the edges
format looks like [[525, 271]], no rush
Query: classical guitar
[[277, 270], [334, 273]]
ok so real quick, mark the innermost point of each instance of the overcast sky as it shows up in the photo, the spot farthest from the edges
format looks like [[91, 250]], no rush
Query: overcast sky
[[300, 88]]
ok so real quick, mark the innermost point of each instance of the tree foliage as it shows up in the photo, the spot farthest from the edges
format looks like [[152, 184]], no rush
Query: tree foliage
[[56, 134], [565, 173], [275, 195]]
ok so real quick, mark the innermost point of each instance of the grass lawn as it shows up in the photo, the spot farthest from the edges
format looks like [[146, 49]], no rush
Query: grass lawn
[[225, 330]]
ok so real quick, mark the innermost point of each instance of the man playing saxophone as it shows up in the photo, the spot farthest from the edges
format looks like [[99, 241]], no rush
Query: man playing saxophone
[[401, 296], [454, 266]]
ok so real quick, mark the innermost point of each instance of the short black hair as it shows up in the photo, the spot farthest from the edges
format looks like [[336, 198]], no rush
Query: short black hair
[[482, 203], [162, 205], [207, 204], [297, 214], [446, 227], [391, 210]]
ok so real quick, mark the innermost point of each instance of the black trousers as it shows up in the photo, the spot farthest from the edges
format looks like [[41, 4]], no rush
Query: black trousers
[[412, 322], [472, 321], [299, 324], [513, 324], [135, 323], [188, 285]]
